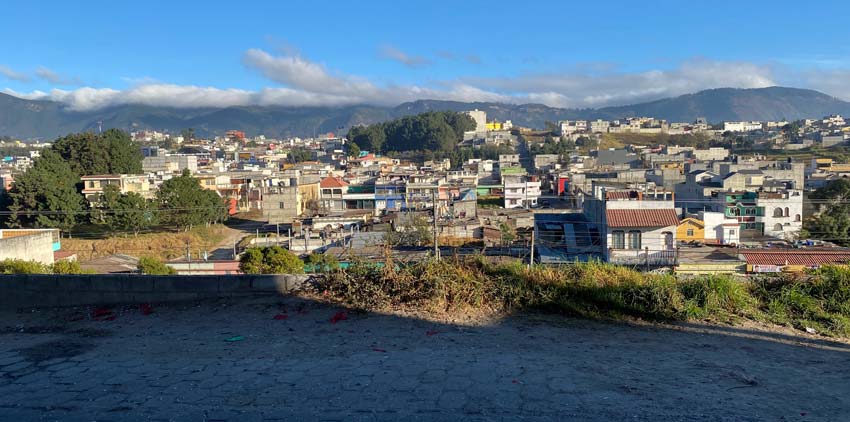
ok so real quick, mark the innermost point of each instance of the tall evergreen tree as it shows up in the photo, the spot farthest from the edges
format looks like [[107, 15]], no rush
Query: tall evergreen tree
[[46, 195], [112, 152]]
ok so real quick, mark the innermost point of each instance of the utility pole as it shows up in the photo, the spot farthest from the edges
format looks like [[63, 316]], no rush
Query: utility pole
[[531, 258], [188, 251], [277, 228], [436, 242], [289, 239]]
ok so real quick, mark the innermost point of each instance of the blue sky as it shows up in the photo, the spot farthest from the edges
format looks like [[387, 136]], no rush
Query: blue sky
[[92, 54]]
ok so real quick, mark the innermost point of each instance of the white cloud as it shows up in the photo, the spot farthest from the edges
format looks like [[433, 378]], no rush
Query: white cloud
[[582, 89], [834, 82], [393, 53], [55, 78], [306, 83], [10, 73]]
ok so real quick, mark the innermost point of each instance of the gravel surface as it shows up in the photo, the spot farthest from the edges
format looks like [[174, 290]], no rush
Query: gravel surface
[[292, 359]]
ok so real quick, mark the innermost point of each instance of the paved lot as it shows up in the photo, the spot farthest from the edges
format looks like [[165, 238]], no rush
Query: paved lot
[[175, 364]]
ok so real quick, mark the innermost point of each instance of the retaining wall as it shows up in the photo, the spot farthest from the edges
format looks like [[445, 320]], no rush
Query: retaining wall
[[46, 290]]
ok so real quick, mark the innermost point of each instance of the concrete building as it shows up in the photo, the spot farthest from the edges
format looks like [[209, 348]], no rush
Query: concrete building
[[783, 216], [137, 183], [636, 228], [741, 126], [720, 229], [29, 244], [282, 204], [520, 192], [331, 194], [480, 118], [711, 154], [170, 163]]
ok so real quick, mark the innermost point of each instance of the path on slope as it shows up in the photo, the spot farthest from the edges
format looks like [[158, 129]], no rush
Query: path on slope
[[175, 364]]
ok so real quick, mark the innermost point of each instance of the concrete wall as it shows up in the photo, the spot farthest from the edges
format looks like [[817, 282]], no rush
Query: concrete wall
[[32, 247], [43, 290]]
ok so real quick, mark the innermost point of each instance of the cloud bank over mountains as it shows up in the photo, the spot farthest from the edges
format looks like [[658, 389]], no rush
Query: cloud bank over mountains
[[296, 81]]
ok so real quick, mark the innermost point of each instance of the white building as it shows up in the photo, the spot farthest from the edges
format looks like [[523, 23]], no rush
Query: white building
[[520, 192], [480, 118], [638, 227], [741, 126], [711, 154], [720, 229], [599, 126], [783, 213]]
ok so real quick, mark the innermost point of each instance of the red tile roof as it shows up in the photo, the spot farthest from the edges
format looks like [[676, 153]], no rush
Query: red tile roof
[[333, 182], [621, 194], [642, 217], [807, 257]]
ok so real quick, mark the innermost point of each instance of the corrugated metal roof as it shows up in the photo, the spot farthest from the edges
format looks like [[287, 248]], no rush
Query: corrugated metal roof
[[796, 256], [642, 218]]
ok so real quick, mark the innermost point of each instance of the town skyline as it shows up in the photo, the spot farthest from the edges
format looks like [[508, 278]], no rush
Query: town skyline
[[472, 52]]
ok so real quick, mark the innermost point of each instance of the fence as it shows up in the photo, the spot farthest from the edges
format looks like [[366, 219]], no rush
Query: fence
[[45, 290], [646, 257]]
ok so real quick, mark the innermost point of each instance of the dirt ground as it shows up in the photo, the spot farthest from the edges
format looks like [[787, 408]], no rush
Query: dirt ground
[[295, 359]]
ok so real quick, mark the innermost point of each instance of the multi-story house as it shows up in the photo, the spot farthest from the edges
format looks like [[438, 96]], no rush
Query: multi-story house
[[636, 228], [520, 191], [331, 194], [390, 193], [93, 185], [776, 214]]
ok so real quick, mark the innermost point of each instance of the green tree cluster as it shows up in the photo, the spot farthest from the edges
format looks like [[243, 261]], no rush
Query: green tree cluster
[[832, 223], [562, 147], [128, 212], [46, 195], [153, 266], [321, 263], [432, 131], [111, 152], [270, 260], [299, 155], [184, 203]]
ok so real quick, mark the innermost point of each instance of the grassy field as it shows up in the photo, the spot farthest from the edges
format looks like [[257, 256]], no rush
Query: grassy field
[[162, 245], [819, 300]]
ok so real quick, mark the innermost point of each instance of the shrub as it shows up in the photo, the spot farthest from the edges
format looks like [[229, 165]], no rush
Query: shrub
[[321, 263], [820, 300], [68, 267], [19, 266], [716, 295], [153, 266], [270, 260]]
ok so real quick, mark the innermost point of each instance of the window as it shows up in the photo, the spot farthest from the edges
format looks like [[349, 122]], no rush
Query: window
[[787, 212], [777, 212], [690, 232], [280, 205], [618, 239], [777, 227], [634, 239], [731, 232], [797, 218]]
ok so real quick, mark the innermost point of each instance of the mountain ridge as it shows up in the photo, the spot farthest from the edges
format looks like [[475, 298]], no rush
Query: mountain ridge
[[43, 119]]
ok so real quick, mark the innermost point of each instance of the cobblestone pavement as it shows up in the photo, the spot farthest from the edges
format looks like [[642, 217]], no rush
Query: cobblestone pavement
[[176, 364]]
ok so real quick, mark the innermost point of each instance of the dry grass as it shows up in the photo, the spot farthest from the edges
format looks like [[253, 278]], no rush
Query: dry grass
[[820, 300], [163, 245]]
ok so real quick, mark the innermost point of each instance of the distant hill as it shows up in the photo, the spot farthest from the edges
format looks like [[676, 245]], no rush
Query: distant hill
[[30, 119]]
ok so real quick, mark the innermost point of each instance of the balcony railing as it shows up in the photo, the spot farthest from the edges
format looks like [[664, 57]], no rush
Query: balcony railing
[[647, 257]]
